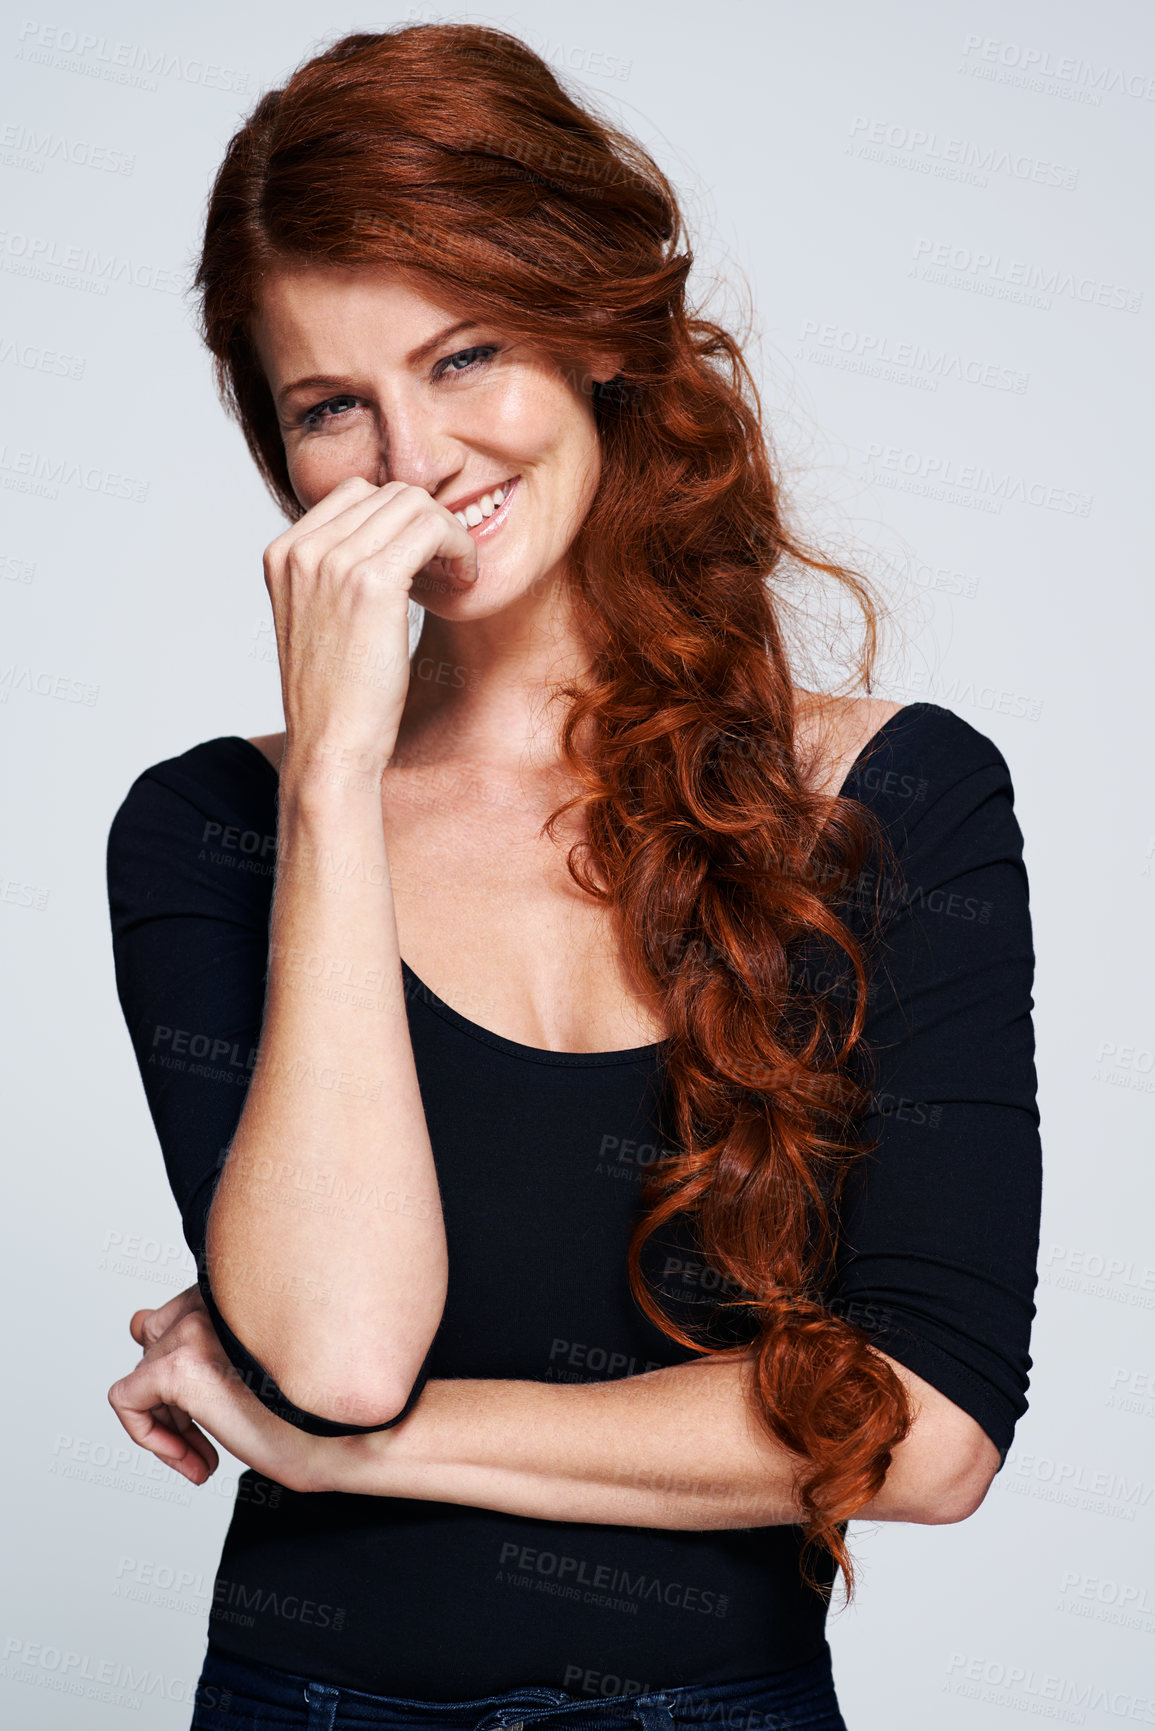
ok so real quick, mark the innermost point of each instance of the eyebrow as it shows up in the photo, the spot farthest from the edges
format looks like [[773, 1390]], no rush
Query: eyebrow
[[332, 381]]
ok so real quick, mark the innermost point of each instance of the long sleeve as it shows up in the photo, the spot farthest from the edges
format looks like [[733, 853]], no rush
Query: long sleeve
[[940, 1223], [190, 863]]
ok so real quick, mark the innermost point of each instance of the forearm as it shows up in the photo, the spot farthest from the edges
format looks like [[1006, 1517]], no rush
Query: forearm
[[326, 1248], [674, 1448]]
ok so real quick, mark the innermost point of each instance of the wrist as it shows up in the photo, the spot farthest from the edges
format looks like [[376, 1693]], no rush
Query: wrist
[[323, 769], [339, 1464], [379, 1463]]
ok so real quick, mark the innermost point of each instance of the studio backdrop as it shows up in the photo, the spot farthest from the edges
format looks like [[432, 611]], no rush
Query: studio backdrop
[[935, 223]]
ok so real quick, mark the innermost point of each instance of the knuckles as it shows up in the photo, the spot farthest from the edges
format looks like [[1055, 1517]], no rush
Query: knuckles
[[296, 555], [329, 566], [293, 553], [156, 1323], [190, 1340], [195, 1330]]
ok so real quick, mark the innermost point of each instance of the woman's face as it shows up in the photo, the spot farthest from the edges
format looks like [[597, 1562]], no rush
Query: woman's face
[[372, 376]]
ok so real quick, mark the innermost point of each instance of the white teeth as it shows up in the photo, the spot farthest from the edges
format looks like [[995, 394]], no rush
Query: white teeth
[[482, 508]]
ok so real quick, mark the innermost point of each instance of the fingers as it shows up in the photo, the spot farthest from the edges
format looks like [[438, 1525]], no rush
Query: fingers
[[398, 527], [347, 505], [148, 1403], [419, 550], [411, 528], [200, 1459], [340, 586], [147, 1326], [187, 1372], [149, 1421]]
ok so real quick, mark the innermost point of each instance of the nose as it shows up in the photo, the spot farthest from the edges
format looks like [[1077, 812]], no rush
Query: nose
[[414, 447]]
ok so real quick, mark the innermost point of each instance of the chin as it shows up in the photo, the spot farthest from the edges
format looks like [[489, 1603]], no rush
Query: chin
[[485, 597], [496, 589]]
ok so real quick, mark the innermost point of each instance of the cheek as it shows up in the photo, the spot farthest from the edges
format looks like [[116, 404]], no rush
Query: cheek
[[515, 418], [315, 468], [536, 416]]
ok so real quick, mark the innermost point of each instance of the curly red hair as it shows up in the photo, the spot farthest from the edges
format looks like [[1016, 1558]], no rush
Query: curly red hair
[[452, 153]]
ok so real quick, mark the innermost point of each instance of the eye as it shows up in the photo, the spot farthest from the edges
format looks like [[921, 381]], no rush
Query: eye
[[314, 417], [465, 360]]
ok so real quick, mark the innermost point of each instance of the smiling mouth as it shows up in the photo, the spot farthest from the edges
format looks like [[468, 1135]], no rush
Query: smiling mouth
[[484, 513]]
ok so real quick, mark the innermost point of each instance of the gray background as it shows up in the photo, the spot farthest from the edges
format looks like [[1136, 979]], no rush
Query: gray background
[[878, 179]]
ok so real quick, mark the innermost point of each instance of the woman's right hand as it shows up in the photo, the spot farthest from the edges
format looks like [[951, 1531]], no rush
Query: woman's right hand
[[340, 582]]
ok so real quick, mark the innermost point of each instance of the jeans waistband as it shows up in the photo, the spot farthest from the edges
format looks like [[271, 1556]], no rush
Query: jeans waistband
[[755, 1703], [649, 1712]]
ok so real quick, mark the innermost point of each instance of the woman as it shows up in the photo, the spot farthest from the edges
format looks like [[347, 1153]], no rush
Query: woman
[[596, 1074]]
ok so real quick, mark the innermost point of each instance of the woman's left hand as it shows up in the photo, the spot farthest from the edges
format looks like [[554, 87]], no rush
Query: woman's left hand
[[185, 1381]]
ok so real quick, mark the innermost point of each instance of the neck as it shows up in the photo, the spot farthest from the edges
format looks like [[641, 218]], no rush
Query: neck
[[479, 689]]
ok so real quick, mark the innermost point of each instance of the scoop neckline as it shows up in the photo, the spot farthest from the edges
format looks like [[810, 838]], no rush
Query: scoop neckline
[[543, 1054], [516, 1048]]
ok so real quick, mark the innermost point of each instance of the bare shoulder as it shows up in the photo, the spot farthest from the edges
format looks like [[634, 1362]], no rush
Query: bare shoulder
[[832, 731], [272, 746]]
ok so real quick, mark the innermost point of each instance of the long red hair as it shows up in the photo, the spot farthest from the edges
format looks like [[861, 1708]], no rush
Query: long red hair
[[452, 152]]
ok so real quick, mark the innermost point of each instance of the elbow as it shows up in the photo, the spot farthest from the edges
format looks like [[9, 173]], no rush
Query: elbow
[[941, 1472], [368, 1383], [961, 1491], [338, 1403], [356, 1390], [325, 1394]]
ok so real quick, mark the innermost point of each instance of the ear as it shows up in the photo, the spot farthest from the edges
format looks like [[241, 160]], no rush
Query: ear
[[612, 367]]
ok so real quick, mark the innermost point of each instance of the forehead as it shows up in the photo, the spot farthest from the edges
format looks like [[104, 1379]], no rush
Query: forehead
[[324, 314]]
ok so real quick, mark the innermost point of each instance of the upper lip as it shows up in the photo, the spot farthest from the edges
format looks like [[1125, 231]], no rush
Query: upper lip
[[474, 498]]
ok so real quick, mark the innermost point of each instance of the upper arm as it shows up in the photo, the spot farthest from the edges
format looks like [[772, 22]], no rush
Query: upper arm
[[189, 917], [190, 868], [943, 1469], [940, 1221]]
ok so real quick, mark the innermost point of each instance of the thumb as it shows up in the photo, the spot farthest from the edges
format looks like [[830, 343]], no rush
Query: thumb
[[137, 1327]]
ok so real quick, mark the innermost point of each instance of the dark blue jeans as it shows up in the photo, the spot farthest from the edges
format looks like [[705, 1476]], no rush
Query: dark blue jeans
[[235, 1695]]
